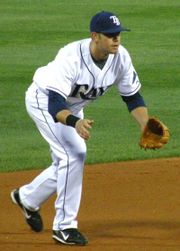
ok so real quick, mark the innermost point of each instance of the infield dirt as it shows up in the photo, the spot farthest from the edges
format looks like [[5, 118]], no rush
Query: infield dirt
[[126, 206]]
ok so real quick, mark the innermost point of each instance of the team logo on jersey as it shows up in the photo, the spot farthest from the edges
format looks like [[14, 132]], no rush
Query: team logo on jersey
[[83, 92], [115, 20]]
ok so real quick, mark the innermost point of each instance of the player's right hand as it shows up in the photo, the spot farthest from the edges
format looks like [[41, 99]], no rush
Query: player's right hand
[[82, 127]]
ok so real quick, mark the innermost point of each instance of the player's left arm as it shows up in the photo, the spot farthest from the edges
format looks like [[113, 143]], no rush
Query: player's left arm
[[154, 134], [141, 116], [137, 108]]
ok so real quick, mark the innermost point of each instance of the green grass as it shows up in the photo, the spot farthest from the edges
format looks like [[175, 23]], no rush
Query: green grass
[[32, 31]]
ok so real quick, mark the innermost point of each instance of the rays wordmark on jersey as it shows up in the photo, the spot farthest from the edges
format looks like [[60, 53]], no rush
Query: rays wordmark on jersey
[[83, 92]]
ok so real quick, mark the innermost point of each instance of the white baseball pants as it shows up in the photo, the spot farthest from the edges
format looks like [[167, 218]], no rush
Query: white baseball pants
[[65, 175]]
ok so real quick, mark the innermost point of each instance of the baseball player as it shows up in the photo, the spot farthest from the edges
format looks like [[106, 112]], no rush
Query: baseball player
[[81, 72]]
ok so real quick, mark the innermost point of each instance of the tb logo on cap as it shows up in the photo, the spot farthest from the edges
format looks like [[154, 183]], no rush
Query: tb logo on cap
[[115, 20]]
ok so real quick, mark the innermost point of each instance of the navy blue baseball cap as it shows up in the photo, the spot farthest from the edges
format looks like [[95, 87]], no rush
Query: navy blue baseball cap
[[106, 22]]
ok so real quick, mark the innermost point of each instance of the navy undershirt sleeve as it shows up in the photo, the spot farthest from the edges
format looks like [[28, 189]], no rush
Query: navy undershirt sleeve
[[133, 101], [56, 103]]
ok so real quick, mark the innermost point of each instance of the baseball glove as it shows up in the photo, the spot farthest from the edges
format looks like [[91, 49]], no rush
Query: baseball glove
[[155, 134]]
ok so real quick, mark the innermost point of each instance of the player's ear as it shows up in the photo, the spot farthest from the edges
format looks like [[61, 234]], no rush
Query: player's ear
[[94, 35]]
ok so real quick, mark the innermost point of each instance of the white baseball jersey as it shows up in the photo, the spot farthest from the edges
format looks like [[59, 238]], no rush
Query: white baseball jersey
[[75, 76]]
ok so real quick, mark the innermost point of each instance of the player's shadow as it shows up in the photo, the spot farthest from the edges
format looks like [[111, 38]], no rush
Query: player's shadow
[[137, 229]]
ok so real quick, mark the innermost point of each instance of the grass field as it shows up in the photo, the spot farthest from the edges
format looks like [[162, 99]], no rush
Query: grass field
[[32, 31]]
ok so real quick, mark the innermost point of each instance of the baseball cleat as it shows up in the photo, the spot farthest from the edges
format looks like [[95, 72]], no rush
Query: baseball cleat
[[69, 236], [33, 218]]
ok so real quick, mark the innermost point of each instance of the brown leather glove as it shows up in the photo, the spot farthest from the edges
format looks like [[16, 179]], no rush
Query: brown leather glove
[[155, 134]]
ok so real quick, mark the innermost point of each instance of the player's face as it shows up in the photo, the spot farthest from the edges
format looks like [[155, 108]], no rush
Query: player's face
[[108, 43]]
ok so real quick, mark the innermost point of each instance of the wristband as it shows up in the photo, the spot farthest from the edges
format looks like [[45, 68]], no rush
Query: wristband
[[71, 120]]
